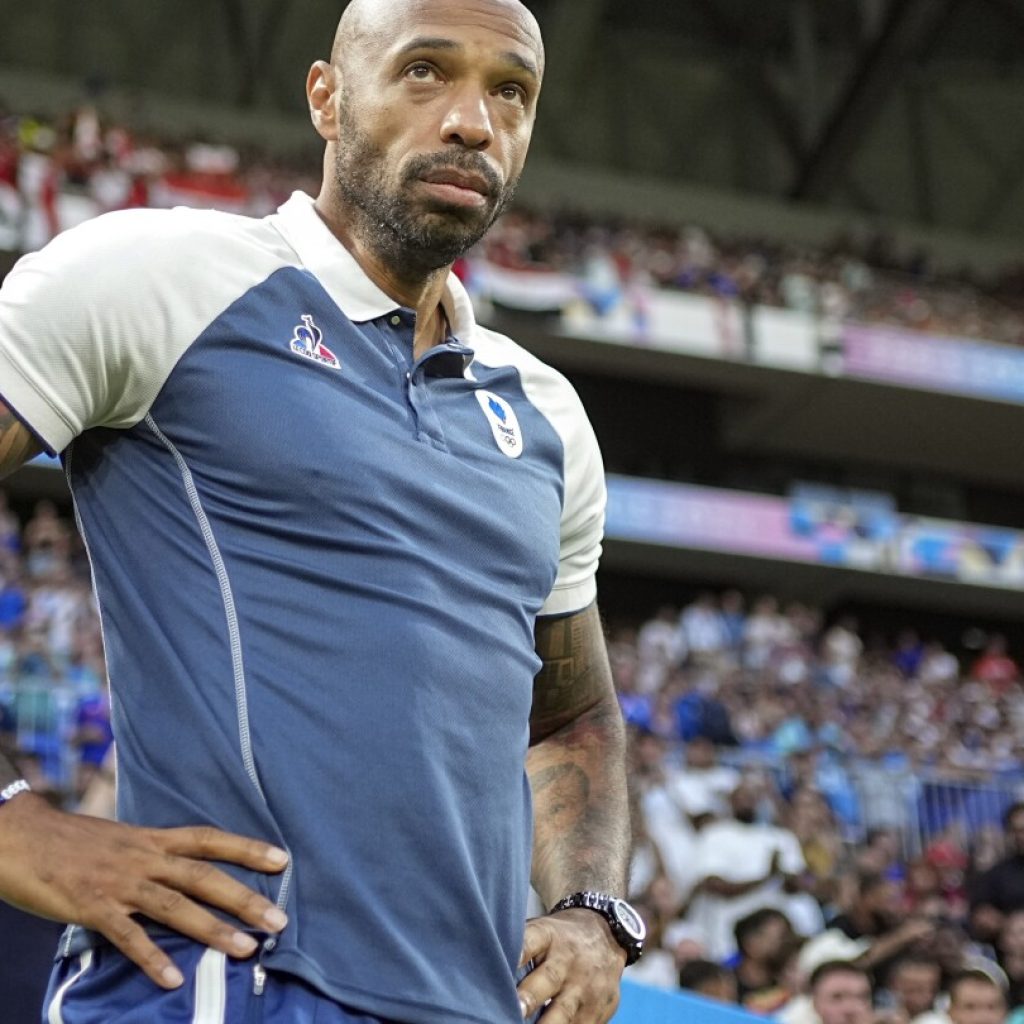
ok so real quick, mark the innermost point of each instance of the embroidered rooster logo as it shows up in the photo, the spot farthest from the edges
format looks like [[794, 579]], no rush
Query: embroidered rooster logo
[[308, 341]]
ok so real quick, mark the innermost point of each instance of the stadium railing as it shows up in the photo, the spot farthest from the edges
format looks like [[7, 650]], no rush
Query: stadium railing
[[922, 805]]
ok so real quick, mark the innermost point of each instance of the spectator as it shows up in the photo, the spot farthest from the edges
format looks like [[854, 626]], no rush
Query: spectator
[[841, 993], [47, 541], [914, 984], [995, 667], [765, 944], [976, 998], [765, 631], [704, 632], [841, 651], [875, 916], [811, 820], [703, 782], [741, 866], [1000, 890], [1010, 948], [708, 979]]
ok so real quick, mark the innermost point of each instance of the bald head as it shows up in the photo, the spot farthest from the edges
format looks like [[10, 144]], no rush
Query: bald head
[[427, 108], [367, 27]]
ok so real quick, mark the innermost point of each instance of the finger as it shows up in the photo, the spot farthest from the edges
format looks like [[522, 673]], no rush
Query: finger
[[209, 843], [178, 912], [564, 1009], [131, 939], [536, 941], [544, 982], [199, 878]]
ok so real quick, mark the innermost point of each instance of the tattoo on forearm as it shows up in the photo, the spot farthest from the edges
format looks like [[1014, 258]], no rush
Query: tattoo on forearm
[[575, 673], [577, 764], [17, 444], [565, 790]]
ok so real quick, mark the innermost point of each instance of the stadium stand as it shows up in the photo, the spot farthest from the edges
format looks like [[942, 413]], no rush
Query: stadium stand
[[54, 174]]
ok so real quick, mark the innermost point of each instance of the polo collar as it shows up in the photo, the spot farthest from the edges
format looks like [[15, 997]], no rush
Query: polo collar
[[336, 269]]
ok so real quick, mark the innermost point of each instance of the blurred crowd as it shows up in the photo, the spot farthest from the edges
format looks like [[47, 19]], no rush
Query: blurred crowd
[[859, 277], [54, 174], [805, 796], [54, 706], [785, 682]]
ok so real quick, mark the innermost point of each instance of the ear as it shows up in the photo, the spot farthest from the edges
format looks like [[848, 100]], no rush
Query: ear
[[322, 84]]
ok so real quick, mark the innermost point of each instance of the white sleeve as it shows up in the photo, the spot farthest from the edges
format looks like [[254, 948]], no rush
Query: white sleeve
[[92, 325], [582, 525], [791, 856], [70, 316]]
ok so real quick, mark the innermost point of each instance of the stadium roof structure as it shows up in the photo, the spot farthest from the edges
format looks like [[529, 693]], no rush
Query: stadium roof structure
[[902, 109]]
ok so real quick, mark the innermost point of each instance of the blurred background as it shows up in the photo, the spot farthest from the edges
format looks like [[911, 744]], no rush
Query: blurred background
[[778, 247]]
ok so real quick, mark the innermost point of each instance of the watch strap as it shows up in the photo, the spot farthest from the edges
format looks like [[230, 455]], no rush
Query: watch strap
[[601, 903]]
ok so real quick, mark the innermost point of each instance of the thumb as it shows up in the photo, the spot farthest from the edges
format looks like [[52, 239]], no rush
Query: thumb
[[536, 941]]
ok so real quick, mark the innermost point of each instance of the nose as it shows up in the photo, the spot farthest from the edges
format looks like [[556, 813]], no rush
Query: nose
[[468, 121]]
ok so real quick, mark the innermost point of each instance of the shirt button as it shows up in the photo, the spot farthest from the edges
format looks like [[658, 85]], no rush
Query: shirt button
[[396, 320]]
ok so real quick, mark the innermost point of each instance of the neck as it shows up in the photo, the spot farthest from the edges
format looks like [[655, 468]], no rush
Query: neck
[[416, 289]]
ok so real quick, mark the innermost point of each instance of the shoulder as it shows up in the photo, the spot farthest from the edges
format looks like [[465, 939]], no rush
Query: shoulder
[[133, 240], [545, 387], [148, 269]]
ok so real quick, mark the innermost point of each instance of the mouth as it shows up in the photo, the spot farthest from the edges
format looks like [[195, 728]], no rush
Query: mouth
[[458, 188]]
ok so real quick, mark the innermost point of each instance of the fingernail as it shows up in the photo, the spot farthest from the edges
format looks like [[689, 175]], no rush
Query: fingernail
[[172, 976], [523, 1008], [244, 943], [276, 856], [275, 919]]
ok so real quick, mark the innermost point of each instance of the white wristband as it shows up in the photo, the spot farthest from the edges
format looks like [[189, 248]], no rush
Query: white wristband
[[11, 791]]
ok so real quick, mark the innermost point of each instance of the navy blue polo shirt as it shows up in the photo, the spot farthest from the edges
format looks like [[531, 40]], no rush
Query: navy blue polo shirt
[[319, 562]]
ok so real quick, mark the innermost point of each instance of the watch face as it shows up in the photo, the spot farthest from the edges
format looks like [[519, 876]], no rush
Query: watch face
[[629, 919]]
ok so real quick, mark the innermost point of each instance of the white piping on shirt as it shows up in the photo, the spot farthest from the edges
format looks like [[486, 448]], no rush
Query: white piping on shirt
[[53, 1014], [234, 634], [211, 988]]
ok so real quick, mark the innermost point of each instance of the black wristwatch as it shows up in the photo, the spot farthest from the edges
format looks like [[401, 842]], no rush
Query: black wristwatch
[[626, 924]]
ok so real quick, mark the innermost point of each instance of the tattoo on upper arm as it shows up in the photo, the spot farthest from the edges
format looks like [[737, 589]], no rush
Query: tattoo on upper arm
[[575, 675], [17, 445]]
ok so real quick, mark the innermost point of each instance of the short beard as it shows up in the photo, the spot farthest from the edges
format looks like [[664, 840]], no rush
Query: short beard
[[401, 237]]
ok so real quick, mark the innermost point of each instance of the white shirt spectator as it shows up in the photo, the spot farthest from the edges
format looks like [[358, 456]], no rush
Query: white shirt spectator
[[737, 852], [698, 790], [703, 628], [660, 640], [673, 834]]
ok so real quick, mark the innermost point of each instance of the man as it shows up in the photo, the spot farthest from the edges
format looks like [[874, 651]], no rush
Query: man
[[740, 866], [914, 984], [708, 979], [765, 941], [841, 993], [1000, 890], [337, 528], [702, 781], [875, 916], [976, 998]]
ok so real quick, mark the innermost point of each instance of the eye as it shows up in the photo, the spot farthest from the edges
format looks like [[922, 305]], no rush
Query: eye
[[421, 71], [513, 93]]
